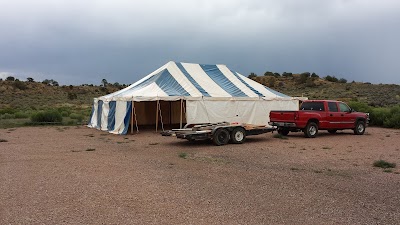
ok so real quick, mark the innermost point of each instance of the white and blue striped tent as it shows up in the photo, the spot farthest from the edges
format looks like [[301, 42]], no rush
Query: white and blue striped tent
[[179, 93]]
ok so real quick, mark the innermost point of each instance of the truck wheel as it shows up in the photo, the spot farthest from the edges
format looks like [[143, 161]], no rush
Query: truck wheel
[[283, 131], [360, 128], [332, 131], [311, 130], [238, 135], [221, 137]]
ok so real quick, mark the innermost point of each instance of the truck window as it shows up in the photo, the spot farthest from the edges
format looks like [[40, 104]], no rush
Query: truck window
[[343, 107], [314, 106], [332, 107]]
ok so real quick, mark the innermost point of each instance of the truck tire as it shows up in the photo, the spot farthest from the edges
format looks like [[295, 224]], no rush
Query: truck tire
[[332, 131], [238, 135], [283, 131], [221, 137], [311, 130], [360, 127]]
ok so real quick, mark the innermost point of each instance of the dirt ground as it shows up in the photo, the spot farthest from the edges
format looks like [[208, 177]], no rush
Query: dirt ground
[[77, 175]]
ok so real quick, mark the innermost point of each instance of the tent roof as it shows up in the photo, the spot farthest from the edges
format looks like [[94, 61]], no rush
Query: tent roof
[[175, 81]]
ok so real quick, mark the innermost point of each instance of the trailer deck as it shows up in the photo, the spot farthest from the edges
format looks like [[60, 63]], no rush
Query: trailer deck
[[220, 133]]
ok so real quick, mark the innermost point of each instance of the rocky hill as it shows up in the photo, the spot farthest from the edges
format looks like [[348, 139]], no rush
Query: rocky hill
[[37, 95], [317, 88]]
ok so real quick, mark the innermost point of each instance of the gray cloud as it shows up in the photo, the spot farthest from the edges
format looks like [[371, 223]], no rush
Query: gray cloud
[[85, 41]]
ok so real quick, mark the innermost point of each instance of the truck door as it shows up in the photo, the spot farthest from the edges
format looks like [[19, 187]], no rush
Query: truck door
[[348, 120], [334, 116]]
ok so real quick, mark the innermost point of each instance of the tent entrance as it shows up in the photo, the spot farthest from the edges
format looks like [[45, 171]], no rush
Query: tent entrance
[[158, 114]]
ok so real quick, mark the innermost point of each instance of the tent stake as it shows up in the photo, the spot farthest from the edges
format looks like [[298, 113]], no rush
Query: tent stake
[[180, 124], [157, 116]]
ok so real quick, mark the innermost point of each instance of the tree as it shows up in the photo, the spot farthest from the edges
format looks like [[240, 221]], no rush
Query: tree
[[10, 78], [50, 82], [252, 75], [342, 80], [268, 73], [277, 75], [104, 82], [331, 78], [30, 79], [287, 74], [314, 75]]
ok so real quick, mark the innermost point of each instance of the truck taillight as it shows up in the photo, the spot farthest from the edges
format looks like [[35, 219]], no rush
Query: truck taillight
[[296, 116]]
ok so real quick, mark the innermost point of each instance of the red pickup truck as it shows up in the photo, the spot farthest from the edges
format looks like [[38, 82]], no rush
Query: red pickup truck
[[317, 115]]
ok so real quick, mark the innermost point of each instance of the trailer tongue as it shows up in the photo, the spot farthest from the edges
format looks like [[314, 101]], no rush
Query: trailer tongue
[[220, 133]]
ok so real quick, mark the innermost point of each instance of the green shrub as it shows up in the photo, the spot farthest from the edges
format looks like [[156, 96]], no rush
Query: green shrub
[[7, 110], [379, 115], [360, 106], [51, 116], [183, 155], [65, 113], [76, 116], [393, 120], [8, 116], [384, 164], [21, 115]]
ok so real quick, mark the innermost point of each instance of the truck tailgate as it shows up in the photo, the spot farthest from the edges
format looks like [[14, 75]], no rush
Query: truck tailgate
[[282, 116]]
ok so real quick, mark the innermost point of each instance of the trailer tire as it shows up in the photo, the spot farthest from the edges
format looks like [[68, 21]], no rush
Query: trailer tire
[[238, 135], [221, 137], [283, 131]]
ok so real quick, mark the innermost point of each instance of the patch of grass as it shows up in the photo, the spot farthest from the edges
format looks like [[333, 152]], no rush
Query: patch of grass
[[384, 164], [90, 149], [317, 171], [154, 143], [387, 170], [294, 168], [183, 155], [3, 140], [280, 136], [325, 147]]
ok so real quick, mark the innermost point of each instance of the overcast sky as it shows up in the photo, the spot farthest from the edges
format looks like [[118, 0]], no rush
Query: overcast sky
[[76, 42]]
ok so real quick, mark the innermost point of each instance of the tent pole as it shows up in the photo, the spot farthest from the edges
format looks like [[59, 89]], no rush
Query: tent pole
[[170, 113], [132, 118], [157, 116], [136, 123], [180, 124]]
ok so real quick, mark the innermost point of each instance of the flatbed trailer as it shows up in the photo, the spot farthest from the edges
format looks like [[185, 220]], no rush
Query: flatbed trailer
[[220, 133]]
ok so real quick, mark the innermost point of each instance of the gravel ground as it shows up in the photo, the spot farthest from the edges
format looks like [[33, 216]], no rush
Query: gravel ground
[[77, 175]]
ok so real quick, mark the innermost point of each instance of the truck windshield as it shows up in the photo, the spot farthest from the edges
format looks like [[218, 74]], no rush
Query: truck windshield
[[314, 106]]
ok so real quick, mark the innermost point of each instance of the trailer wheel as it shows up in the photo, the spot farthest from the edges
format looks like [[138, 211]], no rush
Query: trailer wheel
[[311, 130], [283, 131], [221, 137], [238, 135]]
